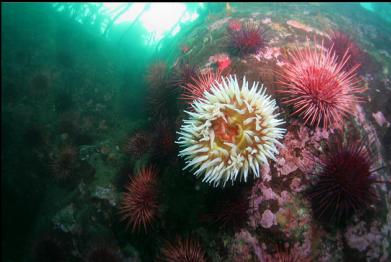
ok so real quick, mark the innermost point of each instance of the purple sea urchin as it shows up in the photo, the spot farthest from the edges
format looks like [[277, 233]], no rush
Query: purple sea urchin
[[345, 183], [157, 74], [138, 144], [248, 39], [342, 43]]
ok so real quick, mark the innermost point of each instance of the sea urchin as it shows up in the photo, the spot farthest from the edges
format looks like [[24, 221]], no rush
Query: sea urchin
[[342, 43], [232, 131], [317, 86], [287, 254], [186, 250], [157, 73], [139, 205], [345, 183], [200, 83], [65, 163], [248, 39], [138, 144]]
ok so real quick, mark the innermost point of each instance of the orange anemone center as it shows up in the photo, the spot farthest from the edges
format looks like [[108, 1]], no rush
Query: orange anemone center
[[224, 131]]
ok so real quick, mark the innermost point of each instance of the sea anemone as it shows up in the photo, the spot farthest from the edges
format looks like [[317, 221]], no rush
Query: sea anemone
[[344, 184], [318, 88], [139, 205], [138, 144], [65, 162], [232, 130], [247, 40], [186, 250], [342, 43], [200, 83]]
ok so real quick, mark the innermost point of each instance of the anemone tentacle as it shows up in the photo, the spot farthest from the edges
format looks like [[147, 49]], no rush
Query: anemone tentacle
[[231, 132]]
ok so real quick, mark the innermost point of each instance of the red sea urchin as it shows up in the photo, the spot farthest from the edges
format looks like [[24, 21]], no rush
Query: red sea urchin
[[317, 86], [284, 254], [182, 251], [200, 83], [139, 205], [247, 40], [345, 183], [340, 43]]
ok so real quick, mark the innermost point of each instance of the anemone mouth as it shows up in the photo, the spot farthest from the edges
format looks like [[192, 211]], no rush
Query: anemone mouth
[[233, 127], [231, 131], [225, 130]]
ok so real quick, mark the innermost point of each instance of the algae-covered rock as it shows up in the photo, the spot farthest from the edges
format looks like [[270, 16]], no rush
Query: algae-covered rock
[[131, 254], [65, 220], [107, 193]]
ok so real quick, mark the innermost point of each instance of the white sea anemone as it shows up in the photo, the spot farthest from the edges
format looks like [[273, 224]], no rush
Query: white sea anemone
[[231, 132]]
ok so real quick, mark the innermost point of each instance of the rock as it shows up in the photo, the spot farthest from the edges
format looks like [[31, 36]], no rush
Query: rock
[[65, 220], [106, 193]]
